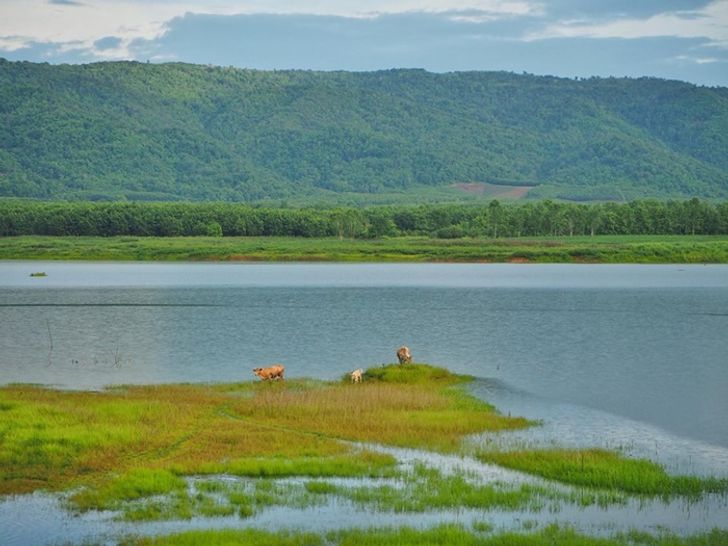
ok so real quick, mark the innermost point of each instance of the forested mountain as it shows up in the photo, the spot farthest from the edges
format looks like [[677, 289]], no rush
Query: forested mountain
[[128, 130]]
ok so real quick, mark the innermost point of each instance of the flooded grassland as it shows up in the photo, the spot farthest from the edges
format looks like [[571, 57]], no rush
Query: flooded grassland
[[397, 459]]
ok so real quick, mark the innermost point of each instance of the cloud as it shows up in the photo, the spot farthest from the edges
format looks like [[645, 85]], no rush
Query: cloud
[[700, 60], [599, 10], [709, 22], [438, 42], [682, 39]]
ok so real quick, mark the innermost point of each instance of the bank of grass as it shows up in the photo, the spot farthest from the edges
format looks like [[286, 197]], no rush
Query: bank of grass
[[598, 249], [602, 469], [443, 535], [129, 439]]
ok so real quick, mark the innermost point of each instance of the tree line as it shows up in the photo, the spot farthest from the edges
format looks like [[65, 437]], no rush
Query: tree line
[[493, 219]]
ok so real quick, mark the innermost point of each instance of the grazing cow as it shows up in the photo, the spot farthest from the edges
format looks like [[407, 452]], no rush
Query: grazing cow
[[404, 356], [356, 375], [271, 372]]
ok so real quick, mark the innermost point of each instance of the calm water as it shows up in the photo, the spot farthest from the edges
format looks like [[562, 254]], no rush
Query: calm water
[[649, 343], [627, 357]]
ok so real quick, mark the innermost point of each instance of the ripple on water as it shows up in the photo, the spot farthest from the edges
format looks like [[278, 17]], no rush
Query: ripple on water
[[572, 426]]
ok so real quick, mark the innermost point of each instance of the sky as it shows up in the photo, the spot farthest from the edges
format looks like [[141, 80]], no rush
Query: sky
[[674, 39]]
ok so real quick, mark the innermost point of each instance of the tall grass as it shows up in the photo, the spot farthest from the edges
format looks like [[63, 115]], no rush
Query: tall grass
[[427, 411]]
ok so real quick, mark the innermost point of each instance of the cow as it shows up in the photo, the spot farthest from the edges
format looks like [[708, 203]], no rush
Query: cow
[[271, 372], [356, 375], [404, 356]]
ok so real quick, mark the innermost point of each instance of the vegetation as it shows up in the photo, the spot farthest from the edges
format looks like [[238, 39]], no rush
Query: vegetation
[[492, 220], [443, 535], [132, 441], [597, 468], [427, 489], [128, 130], [158, 453], [600, 249]]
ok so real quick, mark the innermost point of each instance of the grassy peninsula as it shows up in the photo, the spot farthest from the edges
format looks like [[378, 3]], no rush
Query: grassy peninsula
[[563, 249], [145, 435], [174, 452]]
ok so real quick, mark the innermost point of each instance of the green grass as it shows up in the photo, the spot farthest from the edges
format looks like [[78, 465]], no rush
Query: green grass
[[129, 449], [127, 439], [601, 469], [136, 484], [599, 249], [443, 535], [423, 489], [427, 489], [246, 537]]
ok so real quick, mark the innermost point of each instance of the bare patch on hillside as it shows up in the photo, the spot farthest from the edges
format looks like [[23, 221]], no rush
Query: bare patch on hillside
[[493, 191]]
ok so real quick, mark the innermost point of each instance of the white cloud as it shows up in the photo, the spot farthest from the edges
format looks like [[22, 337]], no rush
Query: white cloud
[[12, 43], [25, 21], [699, 60], [710, 22], [41, 20]]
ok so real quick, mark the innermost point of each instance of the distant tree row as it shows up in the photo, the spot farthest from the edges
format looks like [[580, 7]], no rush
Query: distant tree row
[[494, 219]]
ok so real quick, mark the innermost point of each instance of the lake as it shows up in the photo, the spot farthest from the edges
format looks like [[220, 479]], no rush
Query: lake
[[647, 344], [628, 357]]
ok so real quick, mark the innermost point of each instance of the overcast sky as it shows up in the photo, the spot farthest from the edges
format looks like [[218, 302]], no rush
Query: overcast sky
[[676, 39]]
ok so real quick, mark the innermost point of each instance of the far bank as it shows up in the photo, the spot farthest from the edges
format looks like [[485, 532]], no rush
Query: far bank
[[636, 249]]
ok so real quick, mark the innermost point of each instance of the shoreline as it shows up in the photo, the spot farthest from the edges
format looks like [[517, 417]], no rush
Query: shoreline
[[601, 249]]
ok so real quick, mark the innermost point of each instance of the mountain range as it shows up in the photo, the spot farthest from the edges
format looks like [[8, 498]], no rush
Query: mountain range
[[140, 131]]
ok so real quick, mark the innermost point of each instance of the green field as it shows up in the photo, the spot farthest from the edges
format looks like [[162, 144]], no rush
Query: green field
[[598, 249]]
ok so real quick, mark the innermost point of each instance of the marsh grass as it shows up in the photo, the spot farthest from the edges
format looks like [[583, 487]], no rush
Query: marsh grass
[[598, 249], [426, 489], [410, 406], [443, 535], [602, 469], [131, 439], [423, 489], [136, 484]]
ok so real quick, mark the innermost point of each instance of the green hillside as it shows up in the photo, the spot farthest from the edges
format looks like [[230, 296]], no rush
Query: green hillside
[[136, 131]]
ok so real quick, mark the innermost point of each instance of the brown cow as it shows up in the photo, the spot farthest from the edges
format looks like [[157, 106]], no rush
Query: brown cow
[[404, 356], [271, 372]]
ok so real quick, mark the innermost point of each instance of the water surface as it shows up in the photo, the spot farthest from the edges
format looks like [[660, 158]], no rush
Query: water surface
[[648, 343], [625, 357]]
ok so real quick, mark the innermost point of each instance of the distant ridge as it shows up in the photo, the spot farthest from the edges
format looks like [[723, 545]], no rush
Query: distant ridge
[[128, 130]]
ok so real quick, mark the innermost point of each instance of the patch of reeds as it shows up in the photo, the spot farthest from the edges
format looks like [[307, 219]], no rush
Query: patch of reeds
[[410, 406], [138, 483], [602, 469]]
